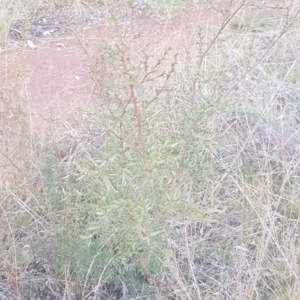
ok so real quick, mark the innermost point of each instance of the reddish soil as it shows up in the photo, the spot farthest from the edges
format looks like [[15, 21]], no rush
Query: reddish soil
[[57, 72]]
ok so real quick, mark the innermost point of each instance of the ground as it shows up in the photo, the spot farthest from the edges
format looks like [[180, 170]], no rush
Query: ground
[[58, 68]]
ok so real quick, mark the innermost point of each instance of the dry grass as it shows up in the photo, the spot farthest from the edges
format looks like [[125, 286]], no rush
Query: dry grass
[[184, 185]]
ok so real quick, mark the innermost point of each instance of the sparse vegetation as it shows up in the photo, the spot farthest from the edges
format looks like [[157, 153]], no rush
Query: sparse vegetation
[[180, 181]]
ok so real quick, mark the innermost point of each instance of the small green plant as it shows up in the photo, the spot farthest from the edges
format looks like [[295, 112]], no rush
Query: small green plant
[[139, 179]]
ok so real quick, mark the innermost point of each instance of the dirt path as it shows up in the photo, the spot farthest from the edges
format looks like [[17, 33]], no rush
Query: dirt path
[[56, 73]]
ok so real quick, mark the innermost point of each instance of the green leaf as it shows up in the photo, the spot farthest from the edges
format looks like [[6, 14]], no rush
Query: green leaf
[[100, 213], [93, 228], [84, 237], [156, 233]]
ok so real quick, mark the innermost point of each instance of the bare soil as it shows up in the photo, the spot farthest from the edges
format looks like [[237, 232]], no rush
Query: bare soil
[[56, 72]]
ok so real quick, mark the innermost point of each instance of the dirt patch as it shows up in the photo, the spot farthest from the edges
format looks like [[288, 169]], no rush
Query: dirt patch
[[57, 69]]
